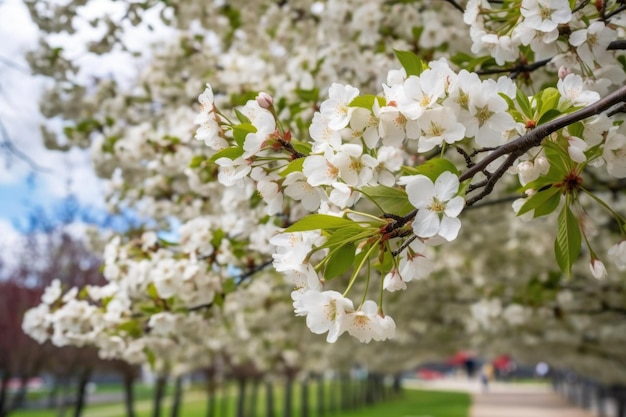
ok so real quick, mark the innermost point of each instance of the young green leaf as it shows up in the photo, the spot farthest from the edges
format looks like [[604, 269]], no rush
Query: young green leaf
[[293, 166], [390, 200], [230, 153], [317, 222], [366, 101], [523, 103], [412, 64], [568, 240], [241, 131], [344, 236], [339, 261], [435, 167], [542, 201]]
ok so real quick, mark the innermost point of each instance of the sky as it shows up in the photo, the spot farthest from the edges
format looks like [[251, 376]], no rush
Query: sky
[[21, 186], [59, 173]]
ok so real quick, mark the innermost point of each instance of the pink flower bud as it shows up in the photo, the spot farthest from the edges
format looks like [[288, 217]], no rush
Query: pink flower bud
[[597, 268], [265, 100], [564, 72]]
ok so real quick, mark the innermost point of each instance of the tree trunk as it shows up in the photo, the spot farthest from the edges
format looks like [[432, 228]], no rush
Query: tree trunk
[[321, 397], [241, 397], [289, 397], [304, 405], [333, 394], [4, 386], [224, 401], [129, 401], [159, 393], [254, 398], [81, 393], [20, 396], [269, 401], [63, 395], [344, 389], [210, 392], [178, 396]]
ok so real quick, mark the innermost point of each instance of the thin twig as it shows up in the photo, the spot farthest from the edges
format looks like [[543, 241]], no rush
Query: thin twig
[[468, 160], [516, 69], [496, 201], [614, 12], [404, 246], [455, 5], [238, 280], [14, 66], [8, 144], [493, 179], [580, 6]]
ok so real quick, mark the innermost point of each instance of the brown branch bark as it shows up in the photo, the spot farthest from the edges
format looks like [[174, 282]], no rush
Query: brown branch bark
[[536, 136]]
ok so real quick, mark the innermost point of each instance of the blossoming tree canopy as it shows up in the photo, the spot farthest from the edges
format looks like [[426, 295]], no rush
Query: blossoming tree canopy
[[349, 164]]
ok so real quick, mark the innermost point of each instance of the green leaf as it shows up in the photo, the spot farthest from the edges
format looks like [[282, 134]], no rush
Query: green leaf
[[549, 115], [339, 261], [547, 99], [542, 201], [308, 95], [197, 161], [216, 239], [435, 167], [390, 200], [412, 64], [152, 291], [242, 117], [524, 104], [242, 98], [229, 286], [576, 129], [241, 131], [151, 357], [366, 101], [230, 153], [344, 235], [568, 240], [317, 222], [302, 147], [131, 327], [293, 166]]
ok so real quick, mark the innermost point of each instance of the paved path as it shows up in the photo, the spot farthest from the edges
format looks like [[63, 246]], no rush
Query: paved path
[[507, 400]]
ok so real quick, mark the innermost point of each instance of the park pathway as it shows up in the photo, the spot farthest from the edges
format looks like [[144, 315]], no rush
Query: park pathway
[[507, 400], [522, 401]]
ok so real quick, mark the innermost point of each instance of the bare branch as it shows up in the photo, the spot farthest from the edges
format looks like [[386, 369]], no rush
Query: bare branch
[[7, 144]]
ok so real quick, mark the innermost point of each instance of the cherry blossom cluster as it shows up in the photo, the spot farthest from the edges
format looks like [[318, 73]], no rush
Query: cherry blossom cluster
[[351, 190], [576, 38]]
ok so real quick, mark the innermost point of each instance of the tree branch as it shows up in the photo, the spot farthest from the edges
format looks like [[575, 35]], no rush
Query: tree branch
[[516, 69], [536, 136]]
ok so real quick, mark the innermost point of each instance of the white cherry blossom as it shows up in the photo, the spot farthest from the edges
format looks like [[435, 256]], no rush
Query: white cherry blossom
[[437, 203], [336, 108]]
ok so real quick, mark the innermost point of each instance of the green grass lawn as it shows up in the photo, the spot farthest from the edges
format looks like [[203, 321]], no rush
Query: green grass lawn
[[412, 403]]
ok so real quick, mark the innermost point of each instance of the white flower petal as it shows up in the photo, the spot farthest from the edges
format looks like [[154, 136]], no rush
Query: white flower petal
[[446, 186], [426, 223], [450, 227]]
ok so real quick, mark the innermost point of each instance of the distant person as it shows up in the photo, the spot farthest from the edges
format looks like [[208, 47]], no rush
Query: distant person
[[486, 374], [542, 369]]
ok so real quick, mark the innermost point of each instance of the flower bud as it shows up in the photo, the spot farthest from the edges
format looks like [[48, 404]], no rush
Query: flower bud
[[542, 164], [527, 172], [564, 72], [597, 268], [265, 100]]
